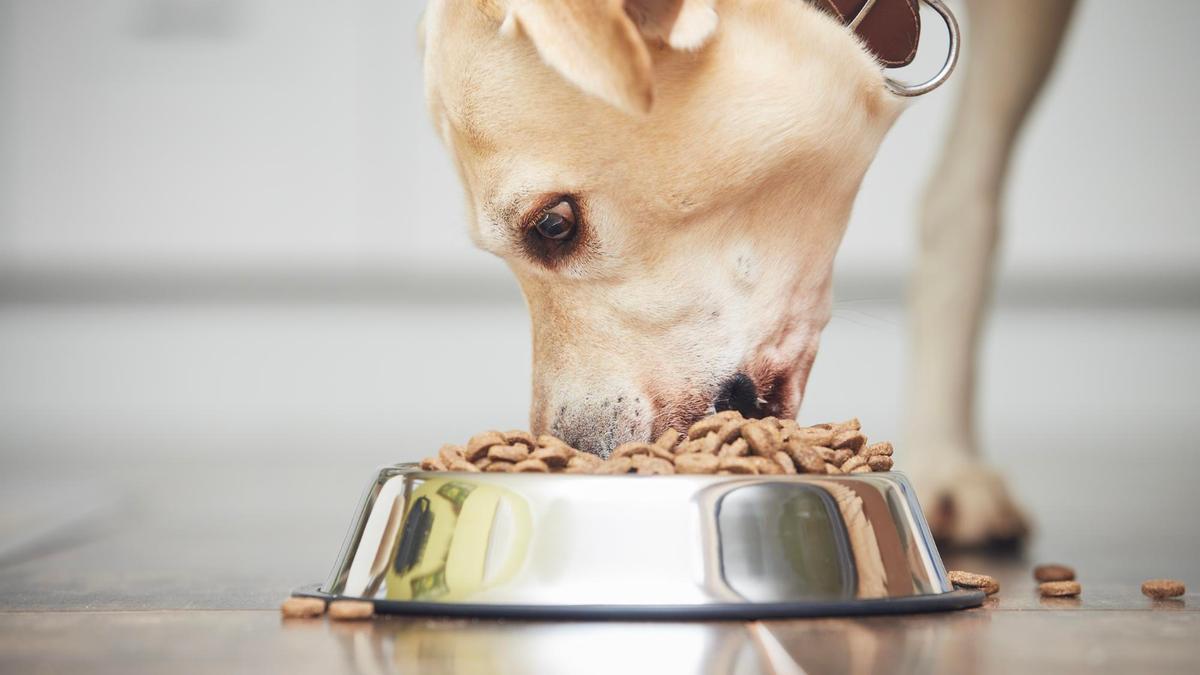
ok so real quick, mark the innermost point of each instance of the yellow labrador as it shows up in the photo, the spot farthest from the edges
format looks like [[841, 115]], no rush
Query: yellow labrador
[[670, 208], [669, 180]]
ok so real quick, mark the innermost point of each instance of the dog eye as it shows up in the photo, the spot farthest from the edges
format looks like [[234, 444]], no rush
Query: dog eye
[[556, 223], [555, 231]]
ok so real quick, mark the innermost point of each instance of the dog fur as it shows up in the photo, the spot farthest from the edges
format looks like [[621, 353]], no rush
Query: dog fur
[[713, 150]]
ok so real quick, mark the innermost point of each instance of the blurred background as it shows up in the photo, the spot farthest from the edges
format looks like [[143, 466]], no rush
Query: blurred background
[[234, 273]]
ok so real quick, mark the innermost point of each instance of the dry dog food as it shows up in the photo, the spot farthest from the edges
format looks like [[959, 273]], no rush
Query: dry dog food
[[1163, 588], [724, 443], [981, 582], [302, 608], [1059, 589], [351, 610], [1053, 572]]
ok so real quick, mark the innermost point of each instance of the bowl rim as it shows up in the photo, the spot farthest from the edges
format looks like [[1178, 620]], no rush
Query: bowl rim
[[913, 604]]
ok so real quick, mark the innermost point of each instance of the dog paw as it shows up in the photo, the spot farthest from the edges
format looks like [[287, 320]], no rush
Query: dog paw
[[969, 506]]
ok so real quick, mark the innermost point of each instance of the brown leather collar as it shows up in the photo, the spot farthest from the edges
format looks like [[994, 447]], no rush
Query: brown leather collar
[[890, 28]]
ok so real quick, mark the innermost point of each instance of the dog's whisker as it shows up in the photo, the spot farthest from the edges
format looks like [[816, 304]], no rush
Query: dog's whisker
[[863, 301], [873, 320]]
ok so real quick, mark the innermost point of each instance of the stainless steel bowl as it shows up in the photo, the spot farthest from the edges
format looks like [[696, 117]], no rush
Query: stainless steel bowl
[[575, 546]]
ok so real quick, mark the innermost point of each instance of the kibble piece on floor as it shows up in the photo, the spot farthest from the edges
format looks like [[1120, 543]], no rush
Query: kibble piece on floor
[[351, 610], [1059, 589], [302, 608], [1053, 572], [971, 580], [1163, 588]]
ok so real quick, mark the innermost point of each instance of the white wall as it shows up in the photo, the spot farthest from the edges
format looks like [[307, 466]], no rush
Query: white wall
[[208, 134]]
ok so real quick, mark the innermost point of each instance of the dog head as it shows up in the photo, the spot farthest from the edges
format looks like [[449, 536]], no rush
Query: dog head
[[669, 181]]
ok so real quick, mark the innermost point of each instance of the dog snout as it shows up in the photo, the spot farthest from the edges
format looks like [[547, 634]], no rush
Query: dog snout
[[597, 424], [739, 393]]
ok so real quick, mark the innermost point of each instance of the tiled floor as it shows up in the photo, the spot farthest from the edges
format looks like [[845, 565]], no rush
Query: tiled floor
[[170, 473]]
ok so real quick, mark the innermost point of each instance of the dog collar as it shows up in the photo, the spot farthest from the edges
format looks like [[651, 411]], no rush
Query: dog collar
[[891, 30]]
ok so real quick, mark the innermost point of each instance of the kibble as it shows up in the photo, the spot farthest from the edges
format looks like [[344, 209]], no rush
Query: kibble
[[351, 610], [880, 463], [1059, 589], [981, 582], [302, 608], [1160, 589], [518, 436], [531, 466], [631, 449], [696, 462], [479, 444], [669, 439], [724, 443], [649, 465], [785, 462], [853, 463], [555, 456], [517, 452], [1053, 572]]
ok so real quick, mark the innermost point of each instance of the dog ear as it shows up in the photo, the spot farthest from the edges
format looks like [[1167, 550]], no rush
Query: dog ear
[[682, 24], [592, 43]]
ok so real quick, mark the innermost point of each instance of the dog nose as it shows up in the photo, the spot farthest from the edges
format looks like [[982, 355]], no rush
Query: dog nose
[[738, 393]]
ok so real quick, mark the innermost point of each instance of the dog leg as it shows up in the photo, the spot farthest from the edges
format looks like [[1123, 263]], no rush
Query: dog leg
[[1010, 50]]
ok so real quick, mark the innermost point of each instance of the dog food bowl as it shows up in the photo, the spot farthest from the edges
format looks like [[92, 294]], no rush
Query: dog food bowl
[[637, 547]]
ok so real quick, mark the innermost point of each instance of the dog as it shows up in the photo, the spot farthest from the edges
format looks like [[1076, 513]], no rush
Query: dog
[[669, 181]]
